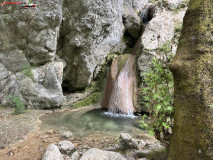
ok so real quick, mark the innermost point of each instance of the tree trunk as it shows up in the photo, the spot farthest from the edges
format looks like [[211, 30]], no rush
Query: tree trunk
[[192, 68]]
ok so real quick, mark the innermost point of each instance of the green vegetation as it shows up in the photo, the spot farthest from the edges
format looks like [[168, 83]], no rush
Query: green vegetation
[[165, 48], [27, 70], [122, 59], [157, 94], [178, 27], [17, 103], [211, 105], [2, 106], [92, 99]]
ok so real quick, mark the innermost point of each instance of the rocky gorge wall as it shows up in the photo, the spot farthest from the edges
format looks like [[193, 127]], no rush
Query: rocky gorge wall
[[62, 44]]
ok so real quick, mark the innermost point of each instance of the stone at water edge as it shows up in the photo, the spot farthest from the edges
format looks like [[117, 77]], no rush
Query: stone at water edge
[[127, 142], [52, 153], [66, 135], [97, 154], [66, 147]]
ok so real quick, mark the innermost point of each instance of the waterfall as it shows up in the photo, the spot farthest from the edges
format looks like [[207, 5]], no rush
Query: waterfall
[[121, 88], [121, 100]]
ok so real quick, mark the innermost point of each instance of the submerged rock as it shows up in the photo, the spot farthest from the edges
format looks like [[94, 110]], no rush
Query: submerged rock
[[97, 154], [52, 153]]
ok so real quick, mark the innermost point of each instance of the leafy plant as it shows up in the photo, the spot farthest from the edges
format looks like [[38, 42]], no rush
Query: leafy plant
[[17, 103], [27, 70], [165, 48], [211, 105], [157, 93], [178, 27]]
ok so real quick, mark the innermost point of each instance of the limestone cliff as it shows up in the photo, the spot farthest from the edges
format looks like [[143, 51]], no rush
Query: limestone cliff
[[62, 44]]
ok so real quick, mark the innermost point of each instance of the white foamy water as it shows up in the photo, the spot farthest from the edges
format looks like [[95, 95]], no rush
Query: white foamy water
[[117, 115]]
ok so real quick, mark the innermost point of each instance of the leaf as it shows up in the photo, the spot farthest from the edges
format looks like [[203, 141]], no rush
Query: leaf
[[211, 105]]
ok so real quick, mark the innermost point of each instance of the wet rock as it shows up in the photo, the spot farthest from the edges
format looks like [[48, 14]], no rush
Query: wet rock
[[66, 135], [97, 154], [66, 147], [127, 142], [52, 153]]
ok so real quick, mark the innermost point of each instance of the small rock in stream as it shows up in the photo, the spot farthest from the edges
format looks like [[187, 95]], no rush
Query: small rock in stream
[[66, 135]]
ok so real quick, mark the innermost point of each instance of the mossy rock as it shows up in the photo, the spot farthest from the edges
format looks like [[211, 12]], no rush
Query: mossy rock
[[92, 99], [122, 59], [2, 106]]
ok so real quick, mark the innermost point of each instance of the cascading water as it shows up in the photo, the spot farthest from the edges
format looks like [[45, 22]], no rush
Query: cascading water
[[121, 100], [120, 91]]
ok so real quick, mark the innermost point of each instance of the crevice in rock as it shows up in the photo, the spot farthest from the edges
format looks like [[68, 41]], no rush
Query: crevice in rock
[[128, 39]]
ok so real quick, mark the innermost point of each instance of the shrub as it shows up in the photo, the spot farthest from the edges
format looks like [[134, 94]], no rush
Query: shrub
[[17, 103], [157, 92]]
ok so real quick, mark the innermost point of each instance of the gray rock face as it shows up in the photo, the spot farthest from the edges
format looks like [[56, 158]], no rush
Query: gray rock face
[[87, 36], [66, 147], [52, 153], [66, 42], [97, 154], [28, 41], [127, 142], [159, 31]]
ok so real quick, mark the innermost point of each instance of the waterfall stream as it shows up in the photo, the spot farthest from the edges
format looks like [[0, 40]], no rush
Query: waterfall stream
[[121, 99]]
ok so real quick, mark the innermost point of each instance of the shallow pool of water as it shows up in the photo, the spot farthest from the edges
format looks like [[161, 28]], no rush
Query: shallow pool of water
[[92, 121]]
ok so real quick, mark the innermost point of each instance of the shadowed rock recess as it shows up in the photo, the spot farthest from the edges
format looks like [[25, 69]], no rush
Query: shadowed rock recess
[[61, 45]]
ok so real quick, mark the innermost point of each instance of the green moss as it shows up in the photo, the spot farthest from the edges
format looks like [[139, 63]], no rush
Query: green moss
[[110, 57], [27, 70], [122, 59], [178, 27], [92, 99], [2, 106]]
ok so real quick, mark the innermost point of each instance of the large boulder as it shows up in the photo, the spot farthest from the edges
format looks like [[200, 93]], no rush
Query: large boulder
[[52, 153], [97, 154], [127, 142]]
